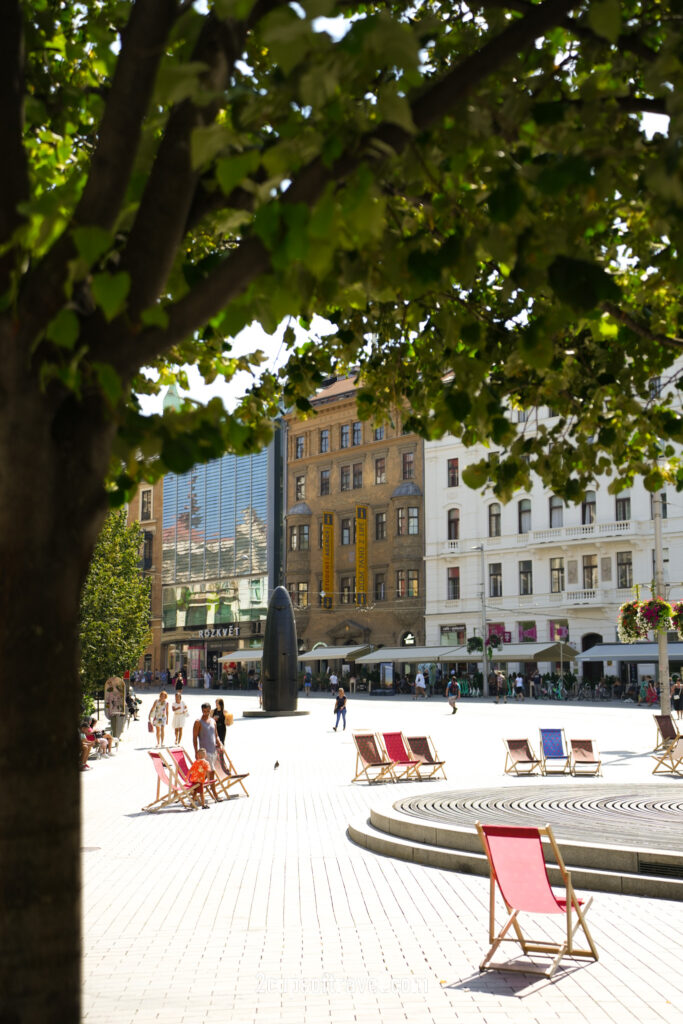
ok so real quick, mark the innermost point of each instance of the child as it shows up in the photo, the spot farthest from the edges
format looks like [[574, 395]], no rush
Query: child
[[201, 772]]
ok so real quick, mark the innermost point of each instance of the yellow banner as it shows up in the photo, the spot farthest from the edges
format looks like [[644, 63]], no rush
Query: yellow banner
[[361, 554], [328, 560]]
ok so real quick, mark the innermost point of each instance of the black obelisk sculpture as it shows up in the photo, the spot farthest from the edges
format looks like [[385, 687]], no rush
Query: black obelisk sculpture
[[278, 669]]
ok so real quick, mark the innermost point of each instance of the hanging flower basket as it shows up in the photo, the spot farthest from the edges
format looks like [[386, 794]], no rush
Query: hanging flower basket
[[475, 643], [629, 626], [494, 640], [655, 615], [677, 618]]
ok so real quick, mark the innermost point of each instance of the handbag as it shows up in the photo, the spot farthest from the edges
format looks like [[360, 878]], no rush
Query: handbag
[[150, 727], [229, 718]]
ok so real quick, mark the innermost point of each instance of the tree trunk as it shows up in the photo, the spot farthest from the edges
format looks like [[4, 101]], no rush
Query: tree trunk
[[51, 507]]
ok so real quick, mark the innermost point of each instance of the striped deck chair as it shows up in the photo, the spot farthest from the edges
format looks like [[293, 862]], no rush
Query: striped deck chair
[[424, 751], [584, 758], [177, 791], [520, 758], [225, 771], [183, 763], [396, 749], [370, 764], [667, 731], [671, 761], [554, 753], [517, 868]]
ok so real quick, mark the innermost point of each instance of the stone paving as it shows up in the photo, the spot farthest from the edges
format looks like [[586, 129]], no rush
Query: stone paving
[[262, 910]]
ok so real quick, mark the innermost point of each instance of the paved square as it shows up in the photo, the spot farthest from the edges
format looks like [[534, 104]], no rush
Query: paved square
[[262, 910]]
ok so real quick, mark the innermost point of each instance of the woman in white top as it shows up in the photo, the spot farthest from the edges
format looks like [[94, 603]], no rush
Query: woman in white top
[[180, 713], [158, 716]]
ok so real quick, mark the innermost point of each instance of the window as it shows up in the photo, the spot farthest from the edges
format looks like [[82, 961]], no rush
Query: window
[[380, 526], [256, 591], [380, 471], [453, 473], [300, 488], [379, 434], [357, 475], [527, 632], [147, 548], [324, 441], [559, 629], [345, 478], [655, 387], [453, 523], [496, 579], [555, 511], [524, 515], [413, 583], [407, 521], [453, 636], [556, 575], [590, 572], [408, 465], [401, 522], [146, 504], [380, 587], [522, 415], [299, 447], [346, 530], [662, 498], [624, 569], [526, 583], [453, 585], [344, 436], [494, 519], [588, 509], [357, 433], [320, 534], [299, 594], [324, 481], [407, 583], [401, 585], [298, 538], [347, 587], [413, 521], [623, 508]]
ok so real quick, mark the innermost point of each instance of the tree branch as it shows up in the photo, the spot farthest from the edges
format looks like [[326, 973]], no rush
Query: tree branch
[[15, 185], [628, 320]]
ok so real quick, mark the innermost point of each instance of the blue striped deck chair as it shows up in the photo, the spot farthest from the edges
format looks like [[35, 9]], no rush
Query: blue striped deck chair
[[554, 753]]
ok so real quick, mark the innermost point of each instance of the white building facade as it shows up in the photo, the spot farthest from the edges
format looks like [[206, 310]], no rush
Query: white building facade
[[535, 569]]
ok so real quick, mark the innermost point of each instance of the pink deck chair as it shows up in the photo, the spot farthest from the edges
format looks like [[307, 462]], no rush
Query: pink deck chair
[[517, 868], [585, 759], [183, 763], [405, 765], [423, 750], [225, 771], [520, 758], [177, 790]]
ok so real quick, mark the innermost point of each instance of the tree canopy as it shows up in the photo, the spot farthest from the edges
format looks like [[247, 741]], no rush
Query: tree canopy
[[115, 611], [461, 189]]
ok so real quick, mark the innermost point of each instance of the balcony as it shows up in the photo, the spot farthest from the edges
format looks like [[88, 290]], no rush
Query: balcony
[[585, 597]]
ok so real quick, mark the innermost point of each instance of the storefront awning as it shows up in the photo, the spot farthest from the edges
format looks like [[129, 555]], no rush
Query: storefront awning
[[555, 651], [243, 654], [646, 652], [411, 654], [334, 653]]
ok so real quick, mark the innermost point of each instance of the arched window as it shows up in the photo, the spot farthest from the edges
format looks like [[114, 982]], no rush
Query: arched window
[[454, 524], [555, 511], [524, 515], [494, 519]]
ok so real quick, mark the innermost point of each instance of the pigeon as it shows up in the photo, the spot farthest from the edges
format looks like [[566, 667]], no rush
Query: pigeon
[[276, 765]]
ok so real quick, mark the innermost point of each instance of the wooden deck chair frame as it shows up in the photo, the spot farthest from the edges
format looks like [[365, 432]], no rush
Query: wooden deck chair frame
[[568, 906], [671, 761], [514, 765], [667, 732], [187, 760], [177, 791], [588, 761], [554, 764], [424, 751], [371, 768], [225, 772], [406, 766]]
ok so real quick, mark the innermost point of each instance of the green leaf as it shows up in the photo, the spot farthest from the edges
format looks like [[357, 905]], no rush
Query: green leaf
[[580, 284], [92, 242], [604, 17], [232, 170], [208, 140], [506, 199], [178, 82], [475, 475], [239, 9], [395, 108], [109, 381], [154, 316], [110, 291], [64, 329]]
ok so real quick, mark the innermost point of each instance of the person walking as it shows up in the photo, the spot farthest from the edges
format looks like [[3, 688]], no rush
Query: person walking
[[453, 692], [420, 685], [501, 687], [180, 714], [677, 696], [340, 708], [519, 687], [158, 716], [205, 736], [219, 718], [334, 682]]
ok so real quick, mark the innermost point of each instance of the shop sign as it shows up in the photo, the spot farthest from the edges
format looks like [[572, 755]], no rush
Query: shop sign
[[221, 631]]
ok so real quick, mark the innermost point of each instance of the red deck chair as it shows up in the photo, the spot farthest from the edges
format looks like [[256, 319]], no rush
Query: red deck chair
[[405, 765], [422, 748], [517, 865], [183, 763], [371, 765], [177, 790]]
